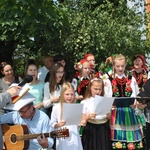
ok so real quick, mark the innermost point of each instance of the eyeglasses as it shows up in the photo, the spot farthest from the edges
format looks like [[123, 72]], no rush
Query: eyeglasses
[[23, 112], [60, 72]]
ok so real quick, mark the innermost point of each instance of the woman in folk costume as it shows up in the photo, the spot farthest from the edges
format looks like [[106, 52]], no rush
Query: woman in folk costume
[[139, 71], [126, 129], [81, 78], [73, 142]]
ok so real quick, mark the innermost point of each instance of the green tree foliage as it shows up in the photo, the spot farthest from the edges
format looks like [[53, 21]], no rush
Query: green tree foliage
[[34, 28], [30, 28], [104, 28], [32, 24]]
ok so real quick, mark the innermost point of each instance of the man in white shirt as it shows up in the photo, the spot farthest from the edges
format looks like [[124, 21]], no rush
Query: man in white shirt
[[42, 72]]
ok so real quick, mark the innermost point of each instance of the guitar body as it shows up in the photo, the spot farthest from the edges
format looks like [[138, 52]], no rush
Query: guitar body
[[10, 134], [17, 137]]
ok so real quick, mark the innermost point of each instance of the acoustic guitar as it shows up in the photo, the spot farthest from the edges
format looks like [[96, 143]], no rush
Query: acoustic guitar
[[16, 137]]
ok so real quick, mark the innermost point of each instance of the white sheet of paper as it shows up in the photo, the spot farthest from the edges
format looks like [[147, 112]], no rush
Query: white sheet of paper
[[102, 105], [72, 113]]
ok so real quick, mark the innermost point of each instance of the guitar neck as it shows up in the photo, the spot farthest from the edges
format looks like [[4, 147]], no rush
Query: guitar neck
[[31, 136]]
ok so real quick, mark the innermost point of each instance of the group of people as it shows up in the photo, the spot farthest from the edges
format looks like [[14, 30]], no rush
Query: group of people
[[121, 128]]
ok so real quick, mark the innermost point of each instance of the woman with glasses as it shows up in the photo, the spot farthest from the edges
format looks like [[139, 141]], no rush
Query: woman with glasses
[[53, 87]]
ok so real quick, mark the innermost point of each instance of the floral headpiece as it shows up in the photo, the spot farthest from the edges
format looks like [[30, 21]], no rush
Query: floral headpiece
[[79, 65], [110, 58], [143, 60]]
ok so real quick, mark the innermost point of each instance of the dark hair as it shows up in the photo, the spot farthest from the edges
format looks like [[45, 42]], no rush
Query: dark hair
[[30, 62], [3, 64], [141, 57], [59, 57], [53, 83]]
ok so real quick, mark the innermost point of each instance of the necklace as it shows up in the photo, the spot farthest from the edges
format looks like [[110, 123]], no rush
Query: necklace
[[124, 90]]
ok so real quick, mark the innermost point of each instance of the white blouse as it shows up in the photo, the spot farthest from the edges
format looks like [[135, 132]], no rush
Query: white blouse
[[73, 142], [48, 96]]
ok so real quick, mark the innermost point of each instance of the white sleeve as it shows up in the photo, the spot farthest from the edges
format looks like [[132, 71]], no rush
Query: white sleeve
[[54, 115], [135, 88], [107, 88], [46, 101]]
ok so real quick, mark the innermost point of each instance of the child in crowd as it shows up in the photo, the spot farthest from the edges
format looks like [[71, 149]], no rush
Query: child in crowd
[[36, 86], [53, 87], [73, 142], [82, 78], [126, 129], [91, 59], [96, 133]]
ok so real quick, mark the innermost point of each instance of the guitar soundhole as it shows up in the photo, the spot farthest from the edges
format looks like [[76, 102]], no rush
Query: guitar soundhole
[[13, 138]]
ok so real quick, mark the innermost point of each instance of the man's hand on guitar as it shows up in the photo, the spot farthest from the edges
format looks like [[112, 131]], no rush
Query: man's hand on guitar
[[43, 141]]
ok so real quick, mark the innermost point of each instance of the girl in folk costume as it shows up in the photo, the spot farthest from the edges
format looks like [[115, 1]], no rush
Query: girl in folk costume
[[53, 87], [91, 59], [126, 129], [82, 77], [139, 70], [73, 142], [96, 133]]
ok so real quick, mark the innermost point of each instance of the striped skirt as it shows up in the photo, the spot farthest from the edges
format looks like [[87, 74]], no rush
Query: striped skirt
[[126, 125]]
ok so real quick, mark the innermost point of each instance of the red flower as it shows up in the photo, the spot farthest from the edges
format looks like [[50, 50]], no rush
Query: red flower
[[114, 82], [128, 82], [131, 146], [128, 89], [115, 90]]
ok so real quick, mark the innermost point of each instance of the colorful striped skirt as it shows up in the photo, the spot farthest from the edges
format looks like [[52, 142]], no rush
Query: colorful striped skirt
[[126, 125]]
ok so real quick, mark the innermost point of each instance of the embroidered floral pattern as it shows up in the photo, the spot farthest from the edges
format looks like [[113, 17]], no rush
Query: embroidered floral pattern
[[130, 146], [115, 88], [128, 88]]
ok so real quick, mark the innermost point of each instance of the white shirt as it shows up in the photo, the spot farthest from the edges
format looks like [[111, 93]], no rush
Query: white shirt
[[48, 95], [42, 72], [73, 142]]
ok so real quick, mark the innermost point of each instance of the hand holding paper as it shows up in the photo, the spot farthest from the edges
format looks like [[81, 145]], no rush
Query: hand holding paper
[[60, 124], [22, 92], [72, 113], [91, 116], [102, 106]]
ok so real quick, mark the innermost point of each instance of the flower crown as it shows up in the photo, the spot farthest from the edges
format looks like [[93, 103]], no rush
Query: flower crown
[[78, 66]]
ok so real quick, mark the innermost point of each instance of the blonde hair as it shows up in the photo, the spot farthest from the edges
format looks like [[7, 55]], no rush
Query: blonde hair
[[117, 57], [66, 86], [88, 93]]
